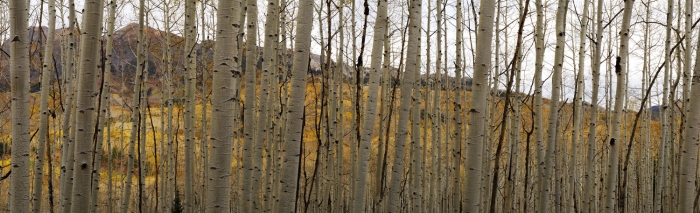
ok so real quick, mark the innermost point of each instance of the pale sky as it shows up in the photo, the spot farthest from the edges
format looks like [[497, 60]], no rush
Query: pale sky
[[398, 15]]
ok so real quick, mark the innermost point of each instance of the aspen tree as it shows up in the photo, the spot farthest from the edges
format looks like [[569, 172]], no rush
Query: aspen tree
[[68, 148], [280, 99], [458, 104], [190, 102], [589, 193], [675, 97], [135, 116], [382, 164], [537, 102], [91, 32], [143, 130], [19, 75], [647, 179], [370, 108], [477, 115], [412, 66], [621, 64], [426, 116], [689, 153], [338, 79], [251, 156], [204, 138], [276, 111], [295, 109], [169, 90], [659, 186], [110, 161], [44, 117], [490, 131], [163, 167], [332, 132], [238, 110], [550, 154], [416, 149], [578, 105], [510, 197], [223, 94], [436, 142], [104, 105], [269, 66], [687, 62]]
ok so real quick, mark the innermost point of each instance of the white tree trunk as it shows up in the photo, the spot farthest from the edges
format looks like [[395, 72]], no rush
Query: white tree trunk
[[295, 110], [370, 109], [577, 130], [223, 95], [590, 195], [136, 103], [689, 153], [477, 115], [616, 139], [412, 66], [19, 75], [104, 105], [190, 101], [68, 116], [44, 107], [89, 48], [551, 152], [251, 156]]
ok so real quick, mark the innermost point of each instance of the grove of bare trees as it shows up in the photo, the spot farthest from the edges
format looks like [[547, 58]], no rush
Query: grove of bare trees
[[349, 106]]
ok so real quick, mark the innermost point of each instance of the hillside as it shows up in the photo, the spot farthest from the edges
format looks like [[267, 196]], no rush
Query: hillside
[[124, 56]]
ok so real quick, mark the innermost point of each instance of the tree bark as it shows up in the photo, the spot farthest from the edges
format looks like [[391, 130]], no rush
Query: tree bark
[[223, 96], [135, 114], [89, 48], [68, 148], [190, 101], [104, 105], [477, 115], [19, 75], [295, 110], [620, 66], [44, 117], [370, 108], [412, 66], [689, 153], [589, 193]]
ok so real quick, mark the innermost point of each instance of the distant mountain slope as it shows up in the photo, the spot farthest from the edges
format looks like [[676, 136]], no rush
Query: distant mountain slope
[[124, 56]]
